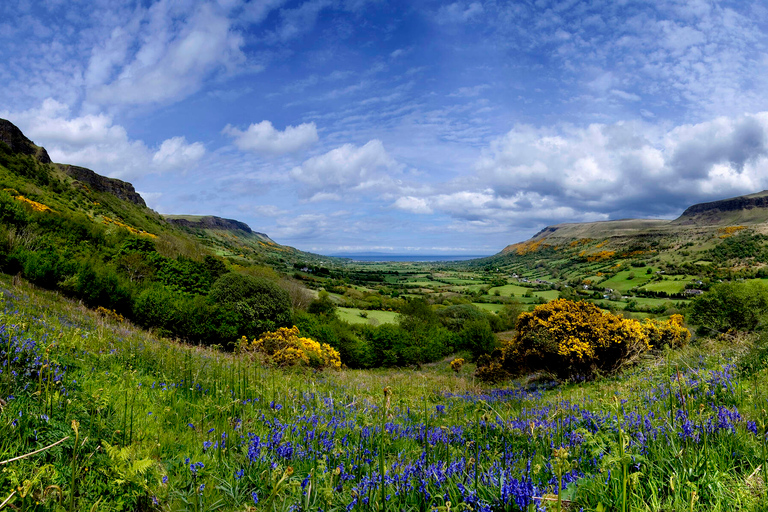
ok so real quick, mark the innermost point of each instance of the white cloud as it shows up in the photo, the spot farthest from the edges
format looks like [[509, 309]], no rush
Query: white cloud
[[176, 52], [535, 176], [94, 141], [175, 153], [264, 138], [298, 21], [366, 169], [459, 12], [413, 204]]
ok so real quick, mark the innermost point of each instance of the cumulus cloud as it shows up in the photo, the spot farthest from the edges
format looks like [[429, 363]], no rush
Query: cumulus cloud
[[264, 138], [366, 169], [413, 204], [533, 176], [96, 142], [176, 153]]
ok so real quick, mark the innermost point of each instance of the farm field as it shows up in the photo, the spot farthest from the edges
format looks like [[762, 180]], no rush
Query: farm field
[[352, 315], [494, 308], [669, 285], [125, 420], [622, 282]]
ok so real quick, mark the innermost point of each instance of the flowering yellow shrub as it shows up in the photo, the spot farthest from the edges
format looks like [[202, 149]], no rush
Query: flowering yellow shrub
[[730, 230], [108, 220], [670, 333], [578, 339], [597, 256], [284, 347], [38, 207], [110, 313], [456, 364]]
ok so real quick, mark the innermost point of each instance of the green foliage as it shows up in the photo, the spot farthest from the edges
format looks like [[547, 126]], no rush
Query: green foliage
[[741, 246], [477, 337], [322, 305], [739, 306], [259, 305], [454, 317]]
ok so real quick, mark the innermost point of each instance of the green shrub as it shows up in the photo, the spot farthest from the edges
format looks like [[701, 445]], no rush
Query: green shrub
[[738, 306], [259, 305], [477, 337]]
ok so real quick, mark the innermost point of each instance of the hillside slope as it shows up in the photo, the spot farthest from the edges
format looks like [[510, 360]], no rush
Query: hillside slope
[[727, 235], [27, 171]]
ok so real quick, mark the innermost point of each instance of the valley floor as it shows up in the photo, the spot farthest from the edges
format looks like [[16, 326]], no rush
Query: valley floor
[[126, 421]]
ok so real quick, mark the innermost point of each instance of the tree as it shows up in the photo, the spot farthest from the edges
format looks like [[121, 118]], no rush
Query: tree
[[478, 338], [735, 305], [259, 305], [322, 305]]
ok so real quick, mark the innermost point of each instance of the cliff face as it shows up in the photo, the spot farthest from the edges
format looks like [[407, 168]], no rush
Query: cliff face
[[752, 207], [728, 205], [210, 222], [119, 188], [18, 143]]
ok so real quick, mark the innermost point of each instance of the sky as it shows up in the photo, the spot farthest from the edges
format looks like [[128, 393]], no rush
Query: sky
[[408, 127]]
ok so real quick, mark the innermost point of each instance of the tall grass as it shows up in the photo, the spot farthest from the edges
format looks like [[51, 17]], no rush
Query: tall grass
[[164, 426]]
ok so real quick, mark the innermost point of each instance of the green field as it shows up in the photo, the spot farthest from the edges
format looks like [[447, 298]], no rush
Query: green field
[[622, 283], [493, 308], [352, 315], [510, 290], [668, 285]]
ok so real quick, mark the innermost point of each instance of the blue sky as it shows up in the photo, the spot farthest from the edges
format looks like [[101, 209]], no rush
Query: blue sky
[[407, 127]]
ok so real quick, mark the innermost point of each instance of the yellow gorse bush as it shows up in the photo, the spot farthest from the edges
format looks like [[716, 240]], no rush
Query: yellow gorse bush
[[285, 347], [38, 207], [579, 339], [457, 364]]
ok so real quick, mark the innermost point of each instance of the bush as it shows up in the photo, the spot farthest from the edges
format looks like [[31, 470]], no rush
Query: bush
[[576, 340], [477, 337], [259, 305], [284, 347], [322, 305], [738, 306], [454, 317]]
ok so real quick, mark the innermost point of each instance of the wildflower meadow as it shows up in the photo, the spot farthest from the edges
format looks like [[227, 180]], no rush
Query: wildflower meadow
[[98, 415]]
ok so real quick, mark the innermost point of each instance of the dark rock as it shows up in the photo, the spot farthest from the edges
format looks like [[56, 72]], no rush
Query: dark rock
[[211, 222], [19, 143], [711, 211], [118, 188]]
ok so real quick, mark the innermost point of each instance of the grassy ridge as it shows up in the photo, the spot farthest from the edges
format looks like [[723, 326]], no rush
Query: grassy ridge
[[170, 427]]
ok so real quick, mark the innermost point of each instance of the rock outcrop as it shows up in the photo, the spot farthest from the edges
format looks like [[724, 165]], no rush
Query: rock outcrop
[[118, 188], [19, 143], [210, 222]]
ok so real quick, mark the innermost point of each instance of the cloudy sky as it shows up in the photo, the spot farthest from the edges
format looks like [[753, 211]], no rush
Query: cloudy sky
[[341, 126]]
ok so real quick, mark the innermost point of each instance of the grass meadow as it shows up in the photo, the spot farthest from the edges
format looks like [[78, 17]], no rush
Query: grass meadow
[[98, 415]]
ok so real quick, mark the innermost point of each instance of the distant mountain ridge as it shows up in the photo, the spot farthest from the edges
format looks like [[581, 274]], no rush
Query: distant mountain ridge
[[750, 211]]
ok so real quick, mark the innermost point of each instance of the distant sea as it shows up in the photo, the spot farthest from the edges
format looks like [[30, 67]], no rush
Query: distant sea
[[418, 258]]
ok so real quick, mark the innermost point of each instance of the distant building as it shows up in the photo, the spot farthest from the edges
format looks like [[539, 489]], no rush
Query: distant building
[[693, 291]]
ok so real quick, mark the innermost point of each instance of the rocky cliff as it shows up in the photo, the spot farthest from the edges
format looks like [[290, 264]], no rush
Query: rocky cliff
[[119, 188], [19, 143], [756, 205], [208, 222]]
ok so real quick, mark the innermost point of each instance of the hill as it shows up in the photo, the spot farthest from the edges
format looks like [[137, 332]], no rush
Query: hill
[[91, 237]]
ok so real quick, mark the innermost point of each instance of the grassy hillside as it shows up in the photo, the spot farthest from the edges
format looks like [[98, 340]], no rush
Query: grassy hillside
[[98, 415]]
